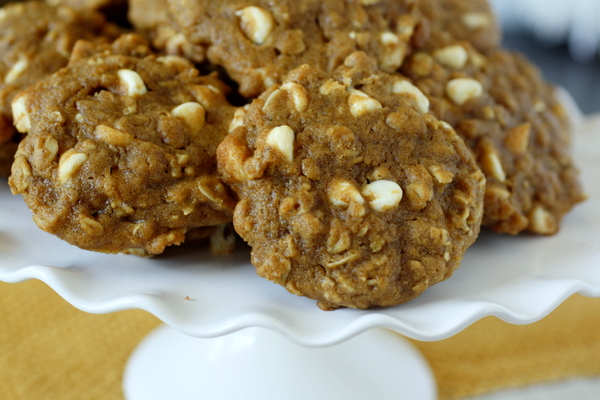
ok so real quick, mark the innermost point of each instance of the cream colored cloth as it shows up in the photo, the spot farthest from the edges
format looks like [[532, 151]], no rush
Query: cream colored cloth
[[51, 351]]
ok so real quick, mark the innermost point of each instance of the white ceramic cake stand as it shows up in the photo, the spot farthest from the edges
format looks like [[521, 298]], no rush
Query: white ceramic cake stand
[[231, 335]]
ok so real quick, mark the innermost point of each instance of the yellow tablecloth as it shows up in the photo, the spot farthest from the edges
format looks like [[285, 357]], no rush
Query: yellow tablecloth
[[50, 350]]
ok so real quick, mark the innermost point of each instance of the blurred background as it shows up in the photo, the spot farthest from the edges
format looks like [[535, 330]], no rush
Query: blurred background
[[562, 38]]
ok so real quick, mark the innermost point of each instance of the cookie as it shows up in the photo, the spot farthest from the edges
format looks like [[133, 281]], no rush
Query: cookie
[[351, 193], [257, 42], [35, 40], [509, 116], [120, 149]]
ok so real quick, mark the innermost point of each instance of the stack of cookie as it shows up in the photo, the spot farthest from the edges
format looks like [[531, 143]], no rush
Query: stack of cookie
[[358, 146]]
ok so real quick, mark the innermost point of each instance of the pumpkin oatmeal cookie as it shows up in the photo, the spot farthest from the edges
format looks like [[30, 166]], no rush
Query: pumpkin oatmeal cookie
[[509, 116], [350, 192], [119, 154]]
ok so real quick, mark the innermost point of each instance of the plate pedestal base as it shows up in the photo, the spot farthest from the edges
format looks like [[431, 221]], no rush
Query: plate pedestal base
[[257, 363]]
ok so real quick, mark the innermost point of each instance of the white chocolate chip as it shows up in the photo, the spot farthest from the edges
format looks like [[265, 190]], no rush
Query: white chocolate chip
[[452, 56], [256, 23], [491, 165], [112, 136], [361, 103], [392, 55], [16, 71], [133, 82], [281, 138], [382, 195], [238, 118], [192, 114], [299, 95], [68, 164], [541, 221], [20, 114], [475, 20], [461, 90], [405, 87], [343, 193]]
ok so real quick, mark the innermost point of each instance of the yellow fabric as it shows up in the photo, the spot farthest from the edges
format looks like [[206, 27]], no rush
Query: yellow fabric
[[50, 350], [492, 354]]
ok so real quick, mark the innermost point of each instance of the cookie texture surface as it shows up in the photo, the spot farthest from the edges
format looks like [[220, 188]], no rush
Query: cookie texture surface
[[36, 39], [119, 154], [161, 30], [257, 42], [510, 117], [350, 192], [472, 20]]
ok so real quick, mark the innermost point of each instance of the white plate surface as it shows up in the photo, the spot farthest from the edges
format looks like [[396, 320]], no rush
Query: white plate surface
[[518, 279]]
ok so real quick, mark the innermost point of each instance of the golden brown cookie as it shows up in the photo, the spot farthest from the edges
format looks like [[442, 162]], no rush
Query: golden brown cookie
[[350, 192], [35, 40], [509, 116], [120, 149], [259, 41]]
